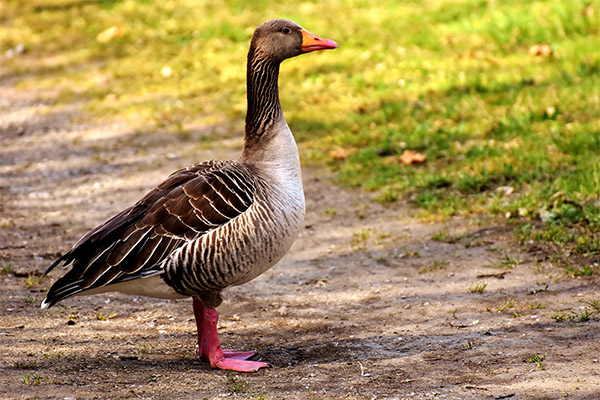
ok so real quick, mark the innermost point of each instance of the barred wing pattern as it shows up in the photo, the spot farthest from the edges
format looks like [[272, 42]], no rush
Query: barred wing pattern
[[137, 242]]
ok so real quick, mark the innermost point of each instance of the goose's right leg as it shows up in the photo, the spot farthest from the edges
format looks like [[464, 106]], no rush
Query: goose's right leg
[[209, 346]]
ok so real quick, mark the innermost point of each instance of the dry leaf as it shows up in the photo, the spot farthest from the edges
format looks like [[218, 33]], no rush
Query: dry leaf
[[541, 49], [108, 34], [410, 157], [339, 153]]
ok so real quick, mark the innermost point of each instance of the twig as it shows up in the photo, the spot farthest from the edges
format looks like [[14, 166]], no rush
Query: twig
[[362, 370]]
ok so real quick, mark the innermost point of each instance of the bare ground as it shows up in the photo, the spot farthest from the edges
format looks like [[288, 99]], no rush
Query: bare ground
[[365, 306]]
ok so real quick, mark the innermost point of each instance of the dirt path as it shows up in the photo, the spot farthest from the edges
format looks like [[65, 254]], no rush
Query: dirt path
[[365, 306]]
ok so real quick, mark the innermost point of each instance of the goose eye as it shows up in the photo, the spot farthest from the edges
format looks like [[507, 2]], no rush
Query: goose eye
[[286, 30]]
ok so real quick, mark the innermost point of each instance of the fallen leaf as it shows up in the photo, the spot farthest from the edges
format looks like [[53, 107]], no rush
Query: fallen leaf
[[108, 34], [339, 153], [541, 49], [410, 157]]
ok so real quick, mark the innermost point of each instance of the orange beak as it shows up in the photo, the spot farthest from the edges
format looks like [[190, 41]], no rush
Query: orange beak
[[312, 42]]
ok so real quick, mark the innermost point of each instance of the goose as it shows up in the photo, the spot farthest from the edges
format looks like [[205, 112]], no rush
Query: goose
[[211, 225]]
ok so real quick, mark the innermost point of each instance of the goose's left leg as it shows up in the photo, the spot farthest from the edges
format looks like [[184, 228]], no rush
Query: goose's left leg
[[209, 346]]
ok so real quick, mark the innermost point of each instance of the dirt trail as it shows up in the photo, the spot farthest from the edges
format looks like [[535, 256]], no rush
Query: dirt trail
[[365, 306]]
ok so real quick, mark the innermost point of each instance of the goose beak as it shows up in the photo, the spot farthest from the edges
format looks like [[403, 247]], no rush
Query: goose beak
[[312, 42]]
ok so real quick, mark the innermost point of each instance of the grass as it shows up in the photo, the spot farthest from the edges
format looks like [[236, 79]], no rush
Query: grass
[[236, 384], [33, 280], [34, 379], [508, 304], [594, 304], [583, 315], [103, 317], [537, 306], [505, 132], [27, 365], [331, 212], [574, 272], [537, 359], [436, 265], [360, 239], [478, 288], [6, 267], [508, 261], [538, 290], [559, 317]]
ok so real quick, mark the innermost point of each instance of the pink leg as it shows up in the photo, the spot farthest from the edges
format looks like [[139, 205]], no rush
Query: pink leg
[[199, 314], [209, 347]]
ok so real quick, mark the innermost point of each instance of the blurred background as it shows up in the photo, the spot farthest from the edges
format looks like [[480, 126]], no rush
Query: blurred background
[[458, 107]]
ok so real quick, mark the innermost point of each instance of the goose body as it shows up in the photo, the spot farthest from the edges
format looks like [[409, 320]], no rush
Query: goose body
[[214, 224]]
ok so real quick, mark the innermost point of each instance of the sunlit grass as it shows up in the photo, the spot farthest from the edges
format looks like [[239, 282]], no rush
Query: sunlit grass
[[505, 132]]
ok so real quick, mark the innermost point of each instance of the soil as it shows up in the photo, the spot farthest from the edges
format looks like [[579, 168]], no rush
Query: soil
[[366, 305]]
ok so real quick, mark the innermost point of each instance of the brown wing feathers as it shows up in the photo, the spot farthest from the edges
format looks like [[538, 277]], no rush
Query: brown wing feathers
[[133, 243]]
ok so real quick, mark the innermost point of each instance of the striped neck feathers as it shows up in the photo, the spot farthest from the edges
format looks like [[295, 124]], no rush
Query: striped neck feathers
[[264, 109]]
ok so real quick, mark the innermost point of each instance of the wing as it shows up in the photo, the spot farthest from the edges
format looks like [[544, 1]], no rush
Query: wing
[[135, 242]]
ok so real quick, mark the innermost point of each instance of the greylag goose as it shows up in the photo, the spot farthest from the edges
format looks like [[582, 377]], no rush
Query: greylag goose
[[211, 225]]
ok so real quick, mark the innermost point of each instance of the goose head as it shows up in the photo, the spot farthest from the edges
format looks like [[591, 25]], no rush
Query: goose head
[[279, 39]]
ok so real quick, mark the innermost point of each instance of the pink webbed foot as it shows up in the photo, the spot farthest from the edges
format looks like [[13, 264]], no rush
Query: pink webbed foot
[[234, 364], [238, 355], [209, 346]]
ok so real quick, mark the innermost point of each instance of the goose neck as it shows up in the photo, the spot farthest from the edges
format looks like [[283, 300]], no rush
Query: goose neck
[[264, 109]]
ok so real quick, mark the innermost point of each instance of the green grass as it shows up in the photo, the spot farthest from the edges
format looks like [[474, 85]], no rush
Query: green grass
[[510, 303], [34, 379], [478, 288], [33, 280], [103, 317], [236, 384], [6, 267], [580, 314], [586, 270], [453, 80], [436, 265], [537, 359], [559, 317]]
